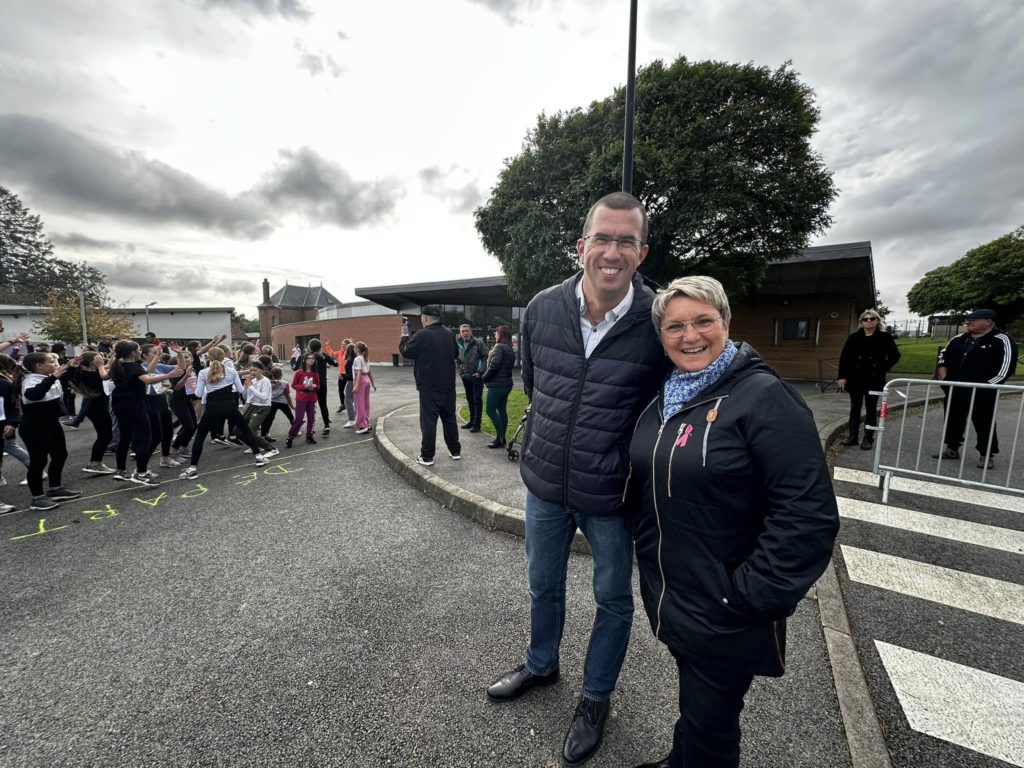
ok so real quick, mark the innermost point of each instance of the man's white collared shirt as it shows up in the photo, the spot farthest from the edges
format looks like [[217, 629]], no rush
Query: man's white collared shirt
[[593, 333]]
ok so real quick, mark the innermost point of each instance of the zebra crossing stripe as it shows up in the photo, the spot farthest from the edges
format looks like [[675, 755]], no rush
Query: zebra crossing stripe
[[990, 536], [962, 705], [966, 591], [935, 490]]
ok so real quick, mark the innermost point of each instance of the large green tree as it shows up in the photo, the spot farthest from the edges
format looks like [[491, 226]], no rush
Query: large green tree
[[722, 162], [29, 271], [990, 276]]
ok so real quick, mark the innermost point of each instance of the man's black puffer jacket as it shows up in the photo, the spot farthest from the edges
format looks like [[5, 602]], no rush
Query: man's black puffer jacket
[[583, 410]]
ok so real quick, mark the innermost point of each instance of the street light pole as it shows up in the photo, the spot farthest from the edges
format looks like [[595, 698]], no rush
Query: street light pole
[[627, 144], [147, 314]]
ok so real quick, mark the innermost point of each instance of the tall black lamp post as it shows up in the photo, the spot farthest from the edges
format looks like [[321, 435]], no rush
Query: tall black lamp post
[[627, 148]]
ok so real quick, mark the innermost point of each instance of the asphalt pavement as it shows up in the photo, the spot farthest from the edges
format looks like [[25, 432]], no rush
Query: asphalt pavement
[[934, 588], [321, 611]]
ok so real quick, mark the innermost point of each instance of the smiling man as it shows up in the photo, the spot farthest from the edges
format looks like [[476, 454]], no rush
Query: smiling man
[[591, 360]]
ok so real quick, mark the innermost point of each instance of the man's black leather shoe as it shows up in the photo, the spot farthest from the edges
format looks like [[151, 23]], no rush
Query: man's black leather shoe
[[467, 425], [659, 764], [514, 684], [585, 731]]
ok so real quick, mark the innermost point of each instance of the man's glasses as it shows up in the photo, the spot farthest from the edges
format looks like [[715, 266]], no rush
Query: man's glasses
[[627, 245], [700, 325]]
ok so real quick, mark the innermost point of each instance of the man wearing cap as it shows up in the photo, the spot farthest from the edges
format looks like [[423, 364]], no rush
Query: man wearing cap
[[434, 353], [983, 354]]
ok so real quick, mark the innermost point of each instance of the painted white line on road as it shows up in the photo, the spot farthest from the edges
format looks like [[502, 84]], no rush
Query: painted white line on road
[[966, 591], [962, 705], [935, 490], [990, 536]]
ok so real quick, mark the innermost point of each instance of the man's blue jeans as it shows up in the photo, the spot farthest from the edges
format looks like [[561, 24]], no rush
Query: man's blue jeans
[[550, 528]]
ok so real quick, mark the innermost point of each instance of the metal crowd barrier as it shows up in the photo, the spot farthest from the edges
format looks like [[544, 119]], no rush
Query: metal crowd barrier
[[927, 392]]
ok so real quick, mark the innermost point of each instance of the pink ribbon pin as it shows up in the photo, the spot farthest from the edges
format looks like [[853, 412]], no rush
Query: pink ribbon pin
[[681, 440]]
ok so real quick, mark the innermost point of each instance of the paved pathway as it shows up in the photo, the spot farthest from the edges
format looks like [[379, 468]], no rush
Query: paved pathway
[[320, 612]]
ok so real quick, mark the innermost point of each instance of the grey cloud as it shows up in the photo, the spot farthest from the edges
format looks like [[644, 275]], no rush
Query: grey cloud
[[69, 170], [303, 182], [293, 10], [76, 174], [146, 271], [78, 242], [318, 63], [342, 35], [509, 10], [462, 196]]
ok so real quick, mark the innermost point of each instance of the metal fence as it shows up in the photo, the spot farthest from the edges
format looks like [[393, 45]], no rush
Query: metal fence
[[921, 444]]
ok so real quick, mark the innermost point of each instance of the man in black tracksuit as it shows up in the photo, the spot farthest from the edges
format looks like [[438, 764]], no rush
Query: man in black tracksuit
[[434, 353], [986, 355]]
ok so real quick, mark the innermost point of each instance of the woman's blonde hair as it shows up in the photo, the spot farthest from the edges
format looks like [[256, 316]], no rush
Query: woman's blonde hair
[[697, 287], [217, 369]]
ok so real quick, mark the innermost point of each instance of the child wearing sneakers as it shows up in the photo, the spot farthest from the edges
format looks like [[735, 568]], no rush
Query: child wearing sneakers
[[217, 387], [37, 384]]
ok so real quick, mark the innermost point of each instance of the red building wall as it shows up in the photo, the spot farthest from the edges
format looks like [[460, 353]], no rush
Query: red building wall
[[380, 334]]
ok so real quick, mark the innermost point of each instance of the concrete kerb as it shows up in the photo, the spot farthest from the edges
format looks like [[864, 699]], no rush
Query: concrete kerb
[[490, 514]]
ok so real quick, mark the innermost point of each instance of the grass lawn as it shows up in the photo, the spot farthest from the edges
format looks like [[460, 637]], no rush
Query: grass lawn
[[918, 356], [918, 359], [517, 403]]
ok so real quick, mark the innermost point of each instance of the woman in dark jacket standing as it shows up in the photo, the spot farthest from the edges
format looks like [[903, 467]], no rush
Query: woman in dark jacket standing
[[868, 355], [734, 516], [498, 380]]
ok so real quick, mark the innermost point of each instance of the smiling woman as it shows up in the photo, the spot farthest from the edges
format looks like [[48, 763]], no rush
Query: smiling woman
[[728, 475]]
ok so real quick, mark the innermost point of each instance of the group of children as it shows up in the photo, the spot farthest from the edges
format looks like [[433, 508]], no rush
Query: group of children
[[142, 396]]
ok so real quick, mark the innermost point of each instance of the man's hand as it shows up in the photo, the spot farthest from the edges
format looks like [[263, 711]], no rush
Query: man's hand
[[75, 361], [60, 370], [841, 385], [8, 431]]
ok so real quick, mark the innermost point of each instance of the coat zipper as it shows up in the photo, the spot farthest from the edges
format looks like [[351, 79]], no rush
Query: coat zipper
[[572, 425], [657, 516]]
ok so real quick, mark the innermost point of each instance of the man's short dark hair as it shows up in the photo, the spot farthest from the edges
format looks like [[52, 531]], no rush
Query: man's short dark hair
[[150, 333], [618, 201]]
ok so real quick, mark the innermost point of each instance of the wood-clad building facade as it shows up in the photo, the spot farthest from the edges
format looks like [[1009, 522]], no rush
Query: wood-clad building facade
[[802, 313]]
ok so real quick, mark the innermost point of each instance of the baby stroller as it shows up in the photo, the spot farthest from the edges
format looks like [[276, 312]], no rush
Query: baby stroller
[[517, 438]]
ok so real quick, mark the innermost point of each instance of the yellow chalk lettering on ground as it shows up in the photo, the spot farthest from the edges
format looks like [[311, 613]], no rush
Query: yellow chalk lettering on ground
[[281, 469], [100, 514], [42, 529], [247, 479], [199, 490], [151, 502]]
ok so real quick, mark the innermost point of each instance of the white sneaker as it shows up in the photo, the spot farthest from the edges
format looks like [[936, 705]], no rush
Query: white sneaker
[[5, 508], [189, 473], [455, 456], [270, 453], [362, 431], [25, 481], [261, 460], [3, 480], [247, 450], [348, 425], [167, 461], [424, 462]]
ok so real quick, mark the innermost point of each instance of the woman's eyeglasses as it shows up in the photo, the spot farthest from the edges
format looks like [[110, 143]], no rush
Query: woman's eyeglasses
[[700, 325]]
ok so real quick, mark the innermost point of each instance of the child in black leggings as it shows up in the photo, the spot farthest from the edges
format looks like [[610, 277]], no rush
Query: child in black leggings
[[38, 385]]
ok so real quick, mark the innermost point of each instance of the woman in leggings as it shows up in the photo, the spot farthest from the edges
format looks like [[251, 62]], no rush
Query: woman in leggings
[[87, 379], [131, 379], [217, 388]]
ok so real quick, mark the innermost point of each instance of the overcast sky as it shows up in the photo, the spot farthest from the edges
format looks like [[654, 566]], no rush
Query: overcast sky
[[190, 148]]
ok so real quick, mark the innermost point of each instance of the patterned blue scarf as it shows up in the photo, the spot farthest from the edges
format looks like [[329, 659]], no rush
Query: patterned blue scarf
[[681, 388]]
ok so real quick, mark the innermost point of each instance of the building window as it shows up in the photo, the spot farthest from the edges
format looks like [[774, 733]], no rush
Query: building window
[[273, 320], [796, 329]]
